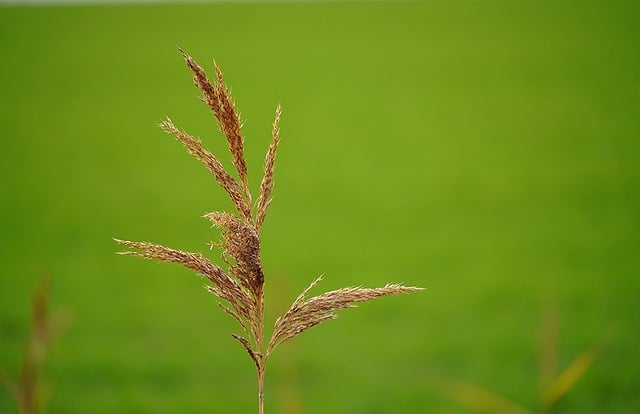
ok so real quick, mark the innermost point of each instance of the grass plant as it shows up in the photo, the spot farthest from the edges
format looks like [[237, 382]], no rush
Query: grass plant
[[241, 286], [553, 386], [29, 390]]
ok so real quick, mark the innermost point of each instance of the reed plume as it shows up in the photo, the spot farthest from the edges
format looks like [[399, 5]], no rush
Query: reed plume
[[241, 286]]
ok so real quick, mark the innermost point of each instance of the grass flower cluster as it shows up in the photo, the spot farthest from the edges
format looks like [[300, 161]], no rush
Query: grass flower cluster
[[241, 285]]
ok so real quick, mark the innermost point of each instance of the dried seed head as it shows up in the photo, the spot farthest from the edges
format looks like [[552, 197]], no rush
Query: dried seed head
[[230, 125], [266, 187], [305, 314], [242, 244], [242, 286], [218, 98]]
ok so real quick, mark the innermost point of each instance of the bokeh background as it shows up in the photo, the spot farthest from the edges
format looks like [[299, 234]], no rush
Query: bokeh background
[[485, 150]]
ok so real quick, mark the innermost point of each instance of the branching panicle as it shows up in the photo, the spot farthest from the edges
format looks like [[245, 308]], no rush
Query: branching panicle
[[242, 285]]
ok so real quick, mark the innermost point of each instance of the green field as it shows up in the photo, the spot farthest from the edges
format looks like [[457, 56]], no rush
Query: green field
[[485, 150]]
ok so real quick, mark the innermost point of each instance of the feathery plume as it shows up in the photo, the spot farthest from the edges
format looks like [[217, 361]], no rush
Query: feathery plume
[[230, 125], [304, 314], [218, 98], [242, 285], [266, 187], [242, 244]]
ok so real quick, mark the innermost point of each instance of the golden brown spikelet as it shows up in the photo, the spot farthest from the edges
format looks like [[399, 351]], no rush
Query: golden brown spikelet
[[306, 313], [230, 124], [218, 98], [266, 187]]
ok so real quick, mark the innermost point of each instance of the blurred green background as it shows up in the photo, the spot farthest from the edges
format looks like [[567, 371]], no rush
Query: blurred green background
[[485, 150]]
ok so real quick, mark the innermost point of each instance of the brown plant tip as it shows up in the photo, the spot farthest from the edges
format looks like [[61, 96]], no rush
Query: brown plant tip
[[266, 187], [230, 124], [218, 98], [306, 313]]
